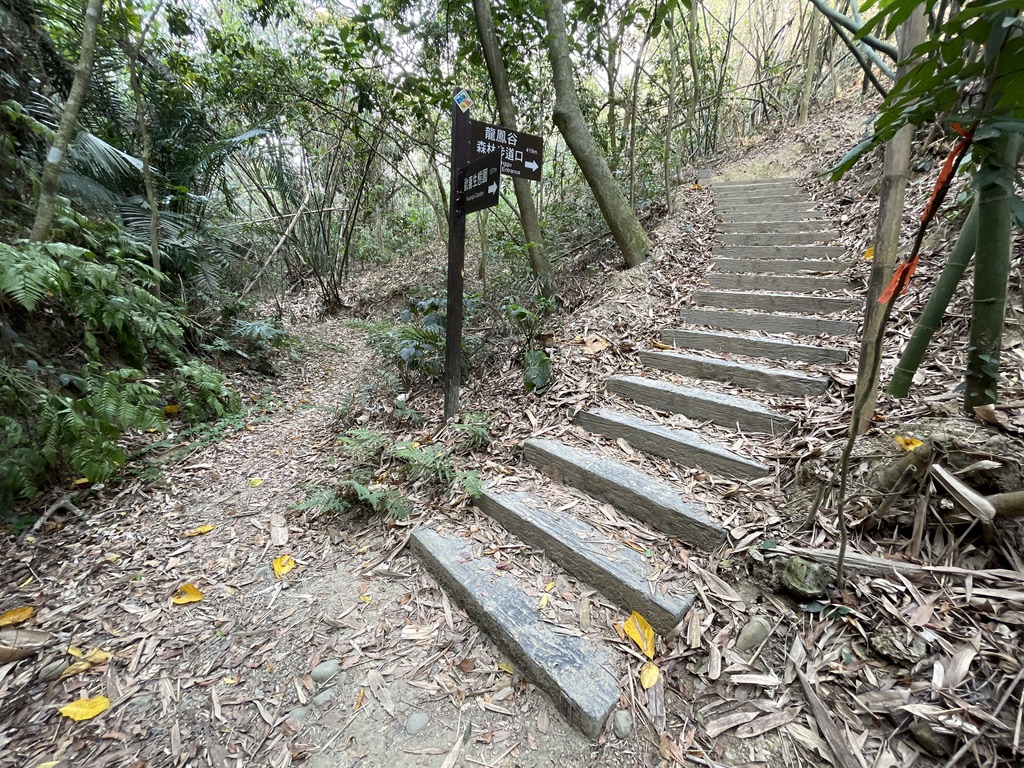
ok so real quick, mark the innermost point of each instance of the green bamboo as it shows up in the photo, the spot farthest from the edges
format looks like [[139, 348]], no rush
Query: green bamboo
[[992, 268], [931, 317]]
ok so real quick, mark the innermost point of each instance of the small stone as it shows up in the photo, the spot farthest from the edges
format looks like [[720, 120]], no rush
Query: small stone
[[325, 670], [416, 723], [622, 723], [805, 578], [939, 744], [299, 714], [754, 633], [324, 697]]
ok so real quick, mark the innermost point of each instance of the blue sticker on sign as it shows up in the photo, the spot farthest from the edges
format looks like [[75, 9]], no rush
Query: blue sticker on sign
[[463, 100]]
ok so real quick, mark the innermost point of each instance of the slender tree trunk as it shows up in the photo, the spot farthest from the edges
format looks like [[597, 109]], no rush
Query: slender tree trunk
[[68, 118], [670, 118], [620, 217], [142, 118], [887, 237], [992, 269], [812, 70], [507, 111], [633, 95], [692, 138], [931, 315]]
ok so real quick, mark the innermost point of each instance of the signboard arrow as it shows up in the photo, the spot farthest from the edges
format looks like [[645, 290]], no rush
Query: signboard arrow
[[522, 154], [479, 183]]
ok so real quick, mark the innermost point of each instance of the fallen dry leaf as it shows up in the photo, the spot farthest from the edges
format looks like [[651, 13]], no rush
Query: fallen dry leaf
[[640, 632], [16, 616], [649, 675], [85, 709], [187, 593], [907, 443], [282, 565], [21, 643], [200, 530]]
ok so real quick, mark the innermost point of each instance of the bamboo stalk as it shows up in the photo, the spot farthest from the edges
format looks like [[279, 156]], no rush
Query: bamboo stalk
[[931, 317]]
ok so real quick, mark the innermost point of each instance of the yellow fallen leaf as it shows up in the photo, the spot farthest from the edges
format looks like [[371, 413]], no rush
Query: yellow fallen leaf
[[94, 658], [200, 530], [81, 481], [171, 409], [869, 254], [504, 666], [549, 586], [544, 601], [365, 599], [85, 709], [594, 344], [74, 650], [359, 698], [255, 482], [641, 633], [187, 593], [16, 616], [282, 565], [649, 675], [907, 443], [659, 345]]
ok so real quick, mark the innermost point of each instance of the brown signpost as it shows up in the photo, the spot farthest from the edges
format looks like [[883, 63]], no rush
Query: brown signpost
[[493, 150]]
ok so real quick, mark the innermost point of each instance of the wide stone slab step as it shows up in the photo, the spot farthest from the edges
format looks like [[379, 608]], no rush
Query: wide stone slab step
[[790, 238], [700, 405], [752, 346], [754, 183], [777, 266], [761, 378], [727, 320], [587, 553], [630, 491], [770, 195], [784, 283], [779, 251], [756, 215], [569, 669], [752, 228], [775, 302], [680, 445]]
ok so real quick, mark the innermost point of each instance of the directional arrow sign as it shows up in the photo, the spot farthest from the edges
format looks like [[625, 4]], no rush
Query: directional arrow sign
[[521, 153], [479, 183]]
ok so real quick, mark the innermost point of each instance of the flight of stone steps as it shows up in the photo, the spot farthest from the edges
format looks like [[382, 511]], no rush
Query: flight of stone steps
[[774, 274]]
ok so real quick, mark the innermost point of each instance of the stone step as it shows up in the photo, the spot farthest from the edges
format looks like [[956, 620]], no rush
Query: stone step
[[777, 266], [781, 181], [743, 375], [630, 491], [755, 216], [752, 346], [800, 208], [779, 251], [774, 195], [783, 283], [680, 445], [569, 669], [728, 320], [700, 405], [752, 228], [770, 238], [775, 302], [588, 554]]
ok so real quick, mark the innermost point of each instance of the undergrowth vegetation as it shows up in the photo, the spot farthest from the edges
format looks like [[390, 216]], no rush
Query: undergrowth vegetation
[[89, 352]]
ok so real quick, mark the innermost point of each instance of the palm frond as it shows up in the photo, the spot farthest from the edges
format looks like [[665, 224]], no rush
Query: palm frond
[[110, 166]]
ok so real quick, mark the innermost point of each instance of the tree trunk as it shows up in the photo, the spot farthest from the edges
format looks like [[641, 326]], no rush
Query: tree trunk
[[887, 238], [670, 118], [692, 139], [992, 269], [812, 70], [620, 217], [634, 88], [68, 118], [931, 315], [507, 112], [142, 118]]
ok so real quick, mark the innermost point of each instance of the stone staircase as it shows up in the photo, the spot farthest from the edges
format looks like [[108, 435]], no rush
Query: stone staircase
[[774, 276]]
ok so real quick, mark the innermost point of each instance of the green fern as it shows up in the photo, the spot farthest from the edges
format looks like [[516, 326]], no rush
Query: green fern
[[432, 462], [201, 393], [475, 429], [364, 447], [30, 272]]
